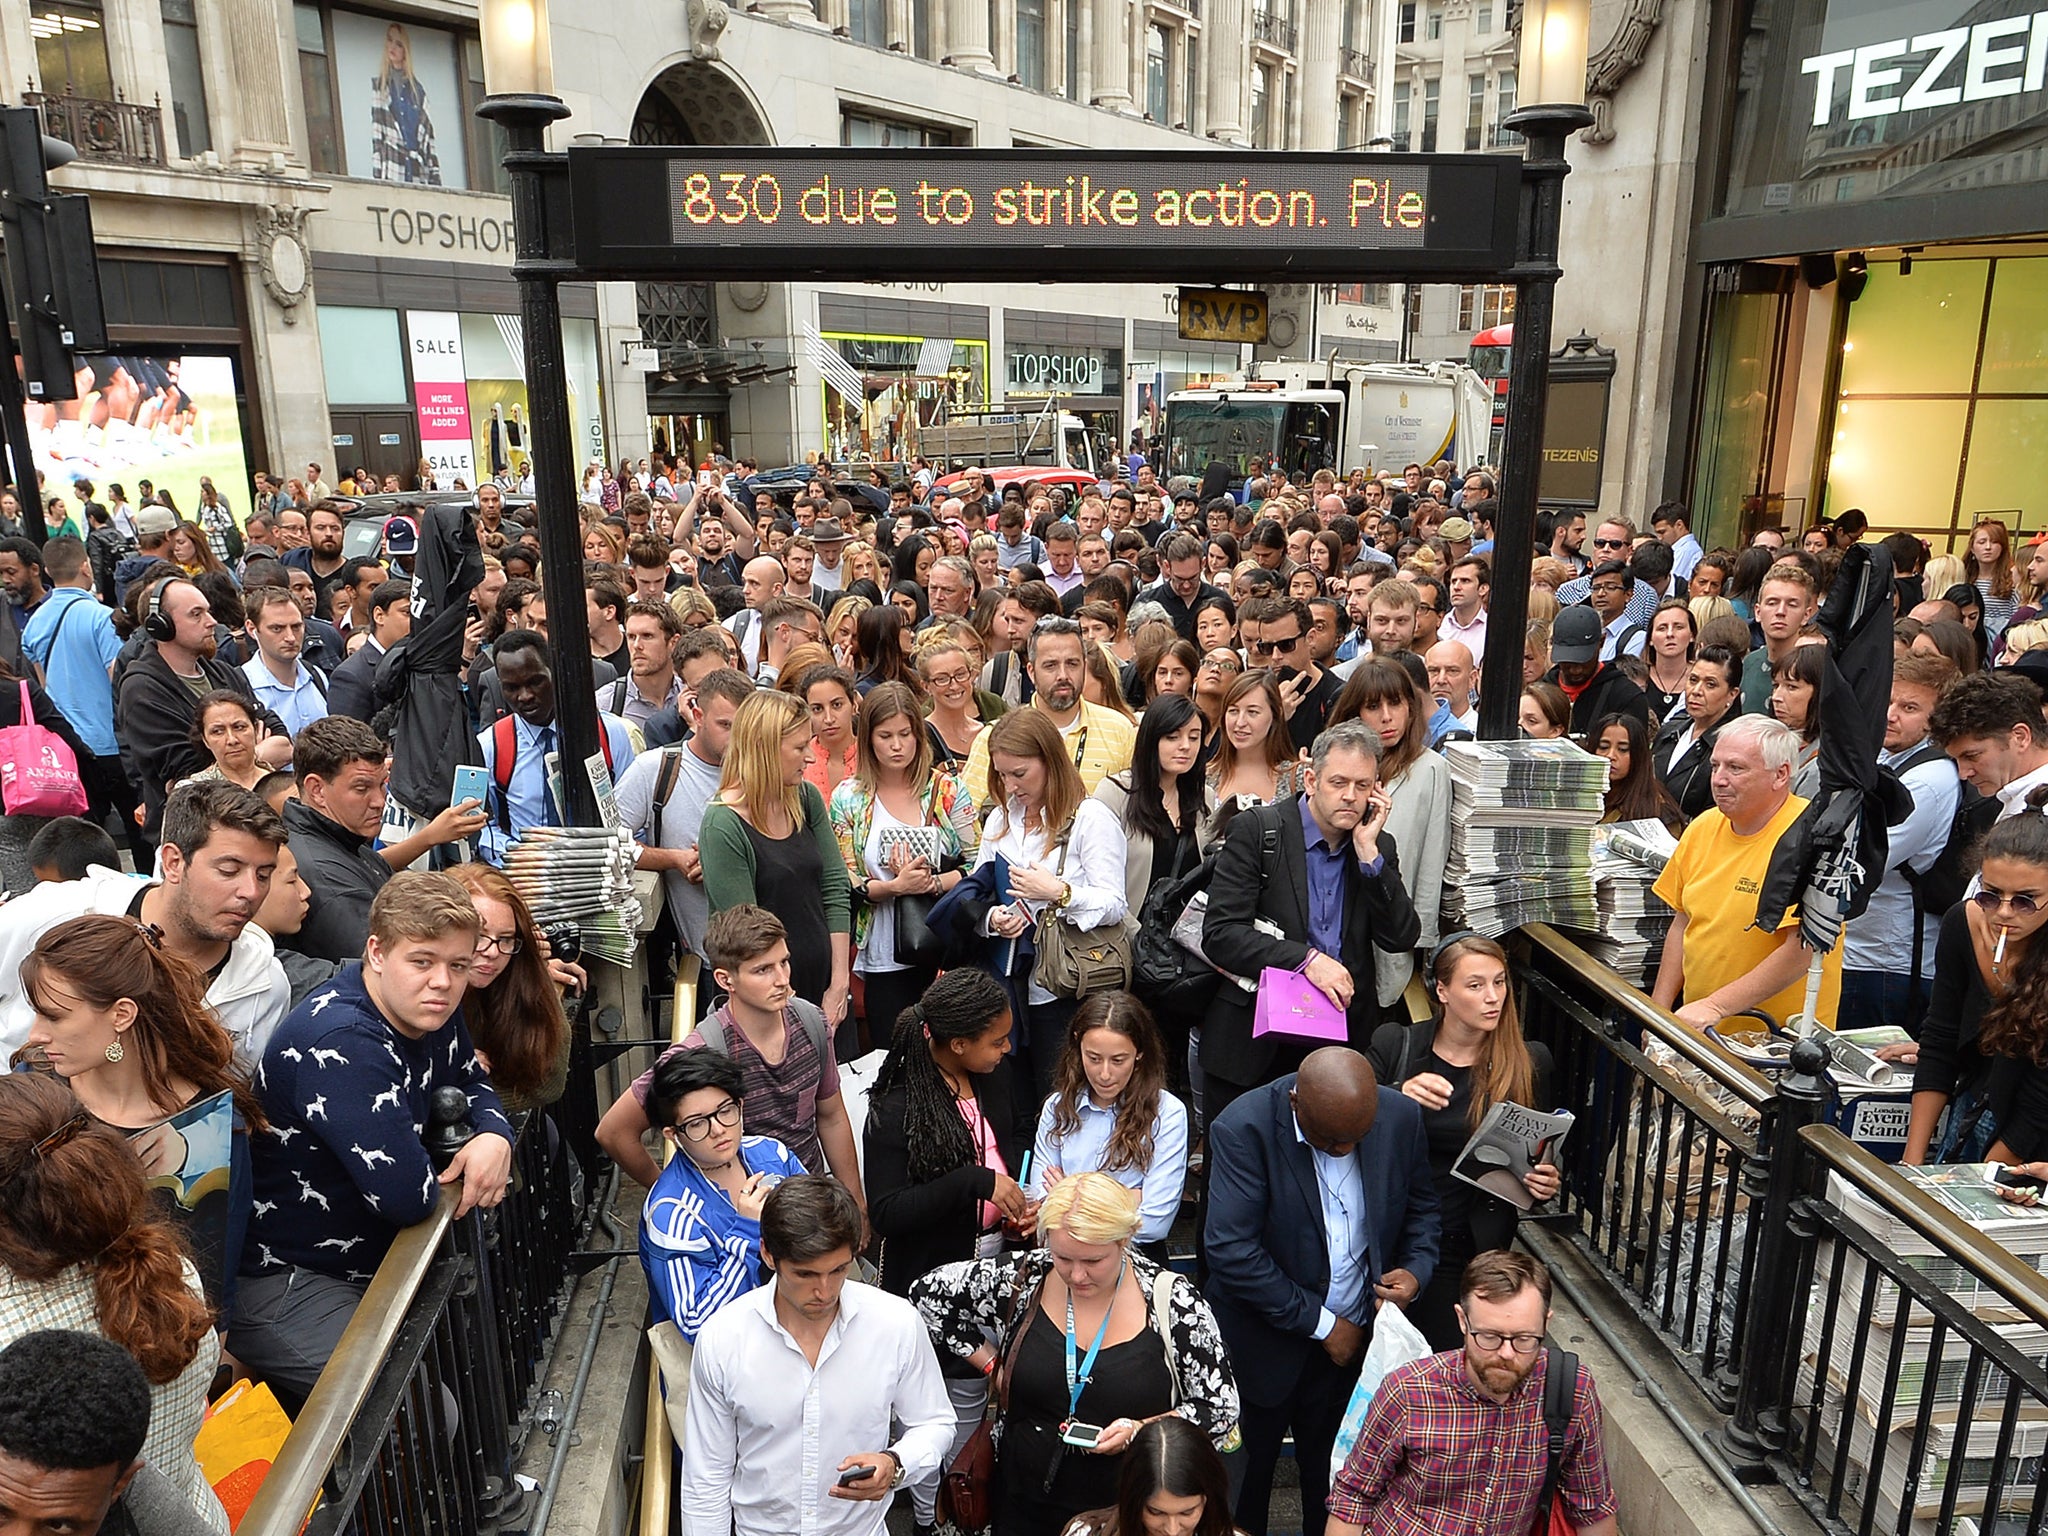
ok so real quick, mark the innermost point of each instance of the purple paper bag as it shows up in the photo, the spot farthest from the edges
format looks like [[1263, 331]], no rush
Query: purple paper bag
[[1291, 1004]]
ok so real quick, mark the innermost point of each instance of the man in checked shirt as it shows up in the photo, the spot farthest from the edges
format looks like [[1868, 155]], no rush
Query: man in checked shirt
[[1455, 1445]]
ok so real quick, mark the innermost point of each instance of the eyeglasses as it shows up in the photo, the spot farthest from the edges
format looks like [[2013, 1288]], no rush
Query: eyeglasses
[[1273, 647], [508, 945], [697, 1127], [950, 679], [1490, 1341], [1989, 900], [1223, 662]]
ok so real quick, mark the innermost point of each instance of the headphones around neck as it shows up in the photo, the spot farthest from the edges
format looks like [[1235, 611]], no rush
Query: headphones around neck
[[157, 624]]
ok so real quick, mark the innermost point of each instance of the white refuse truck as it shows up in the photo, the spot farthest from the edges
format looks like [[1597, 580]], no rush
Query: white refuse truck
[[1331, 415]]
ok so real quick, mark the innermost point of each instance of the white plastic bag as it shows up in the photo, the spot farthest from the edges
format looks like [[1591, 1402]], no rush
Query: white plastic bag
[[1395, 1342]]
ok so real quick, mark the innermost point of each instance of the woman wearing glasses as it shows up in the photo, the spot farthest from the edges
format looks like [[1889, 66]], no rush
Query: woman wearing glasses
[[700, 1232], [1983, 1035], [960, 711], [513, 1006]]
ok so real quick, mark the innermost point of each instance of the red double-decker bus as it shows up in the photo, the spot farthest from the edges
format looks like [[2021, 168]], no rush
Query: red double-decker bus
[[1488, 357]]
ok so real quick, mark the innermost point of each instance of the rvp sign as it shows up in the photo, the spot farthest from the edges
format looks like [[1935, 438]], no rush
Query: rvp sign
[[1222, 314]]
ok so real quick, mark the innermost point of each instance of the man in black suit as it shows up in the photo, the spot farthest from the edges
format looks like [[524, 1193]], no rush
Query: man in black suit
[[352, 691], [1321, 1210], [1308, 884]]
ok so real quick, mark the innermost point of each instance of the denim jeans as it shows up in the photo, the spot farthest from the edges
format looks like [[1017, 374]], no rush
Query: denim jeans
[[1870, 998]]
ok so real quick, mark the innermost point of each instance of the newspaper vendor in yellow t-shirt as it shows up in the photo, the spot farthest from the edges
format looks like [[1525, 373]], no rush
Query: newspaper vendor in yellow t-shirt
[[1715, 956]]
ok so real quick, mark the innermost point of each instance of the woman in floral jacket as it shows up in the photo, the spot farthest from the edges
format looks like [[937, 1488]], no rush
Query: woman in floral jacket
[[1146, 1343], [906, 829]]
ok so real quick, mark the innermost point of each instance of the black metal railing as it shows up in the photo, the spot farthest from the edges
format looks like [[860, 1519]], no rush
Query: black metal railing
[[413, 1427], [116, 132], [1878, 1355], [1356, 63], [1663, 1164], [1268, 27]]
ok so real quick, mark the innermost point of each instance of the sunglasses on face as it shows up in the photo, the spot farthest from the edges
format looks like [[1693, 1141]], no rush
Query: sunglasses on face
[[1992, 901], [1273, 647]]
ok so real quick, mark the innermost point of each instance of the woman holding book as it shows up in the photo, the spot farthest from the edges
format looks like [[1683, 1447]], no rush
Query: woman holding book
[[1458, 1064], [906, 829]]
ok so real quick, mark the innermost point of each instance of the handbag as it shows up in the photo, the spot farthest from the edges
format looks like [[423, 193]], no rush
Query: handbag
[[916, 943], [38, 772], [1168, 973], [1078, 962], [1291, 1004], [967, 1488]]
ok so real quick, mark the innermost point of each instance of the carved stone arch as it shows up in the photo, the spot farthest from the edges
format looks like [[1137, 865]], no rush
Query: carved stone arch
[[1616, 60]]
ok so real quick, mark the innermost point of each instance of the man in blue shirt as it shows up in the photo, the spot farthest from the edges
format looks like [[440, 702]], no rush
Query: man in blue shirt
[[71, 639], [516, 747]]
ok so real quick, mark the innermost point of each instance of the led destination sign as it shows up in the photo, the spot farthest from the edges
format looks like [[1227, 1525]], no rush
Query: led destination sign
[[1038, 213]]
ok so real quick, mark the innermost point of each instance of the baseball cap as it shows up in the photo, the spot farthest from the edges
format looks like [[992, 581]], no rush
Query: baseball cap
[[1575, 635], [155, 522], [1456, 530], [401, 536]]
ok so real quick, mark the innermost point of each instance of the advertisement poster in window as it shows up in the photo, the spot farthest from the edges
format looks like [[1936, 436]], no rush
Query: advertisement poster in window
[[401, 101], [499, 418], [171, 419], [441, 395]]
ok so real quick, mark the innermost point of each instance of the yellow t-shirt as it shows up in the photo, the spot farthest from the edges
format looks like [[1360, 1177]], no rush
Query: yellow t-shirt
[[1715, 878]]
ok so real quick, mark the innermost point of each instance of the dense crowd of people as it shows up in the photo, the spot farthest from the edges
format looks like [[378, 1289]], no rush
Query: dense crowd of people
[[933, 774]]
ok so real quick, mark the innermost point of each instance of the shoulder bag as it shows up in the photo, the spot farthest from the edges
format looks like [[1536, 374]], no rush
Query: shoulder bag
[[967, 1490], [1077, 962]]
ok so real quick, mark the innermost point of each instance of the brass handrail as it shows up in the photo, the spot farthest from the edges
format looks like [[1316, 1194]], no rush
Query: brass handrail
[[1737, 1077], [657, 1481], [293, 1485], [1955, 1238]]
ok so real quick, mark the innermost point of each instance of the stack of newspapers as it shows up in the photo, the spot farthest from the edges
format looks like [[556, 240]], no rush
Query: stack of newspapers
[[1522, 819], [1628, 937], [582, 875]]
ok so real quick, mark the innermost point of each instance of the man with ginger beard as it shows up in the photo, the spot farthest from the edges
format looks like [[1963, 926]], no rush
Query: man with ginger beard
[[160, 693]]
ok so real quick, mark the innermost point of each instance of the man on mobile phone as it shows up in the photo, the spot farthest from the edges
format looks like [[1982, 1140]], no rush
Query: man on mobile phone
[[797, 1385]]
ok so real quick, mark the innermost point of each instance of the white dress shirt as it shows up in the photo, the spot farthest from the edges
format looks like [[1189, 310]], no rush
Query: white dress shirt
[[1685, 555], [1340, 1185], [1884, 933], [767, 1429], [2012, 800], [1093, 865], [1083, 1149]]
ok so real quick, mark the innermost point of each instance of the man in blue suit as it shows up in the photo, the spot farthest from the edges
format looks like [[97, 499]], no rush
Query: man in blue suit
[[1321, 1209]]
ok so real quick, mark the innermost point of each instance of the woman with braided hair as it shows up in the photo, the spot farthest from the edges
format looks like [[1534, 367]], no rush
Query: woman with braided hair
[[948, 1129]]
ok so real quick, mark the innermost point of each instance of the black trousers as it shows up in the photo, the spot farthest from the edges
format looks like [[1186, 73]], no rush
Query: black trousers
[[885, 994], [111, 804], [1314, 1409]]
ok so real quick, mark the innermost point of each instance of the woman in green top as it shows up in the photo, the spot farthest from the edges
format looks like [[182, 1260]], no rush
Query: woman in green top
[[767, 841]]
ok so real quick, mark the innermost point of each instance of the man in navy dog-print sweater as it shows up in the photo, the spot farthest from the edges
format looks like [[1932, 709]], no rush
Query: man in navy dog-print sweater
[[346, 1083]]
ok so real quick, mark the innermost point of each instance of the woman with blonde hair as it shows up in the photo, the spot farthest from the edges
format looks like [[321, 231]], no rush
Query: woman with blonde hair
[[1104, 684], [1468, 1056], [692, 608], [906, 829], [513, 1003], [1158, 1351], [602, 543], [1542, 605], [840, 624], [861, 563], [1065, 853], [987, 560], [81, 1248], [1535, 652], [1707, 609], [1941, 573], [767, 841]]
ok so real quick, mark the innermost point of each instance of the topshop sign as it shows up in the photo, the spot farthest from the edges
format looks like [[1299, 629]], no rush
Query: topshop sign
[[1931, 70]]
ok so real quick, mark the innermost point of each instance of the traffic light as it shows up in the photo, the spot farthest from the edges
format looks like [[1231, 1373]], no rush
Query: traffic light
[[53, 283]]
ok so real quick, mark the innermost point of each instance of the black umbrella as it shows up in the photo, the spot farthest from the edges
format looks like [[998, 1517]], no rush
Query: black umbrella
[[1831, 858]]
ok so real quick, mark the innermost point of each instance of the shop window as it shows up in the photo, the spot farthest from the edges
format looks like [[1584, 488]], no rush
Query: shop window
[[71, 49], [362, 356], [1915, 335], [390, 100], [316, 85], [188, 81]]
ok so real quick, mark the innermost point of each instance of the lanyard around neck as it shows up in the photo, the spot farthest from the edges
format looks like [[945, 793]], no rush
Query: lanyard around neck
[[1077, 1383]]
